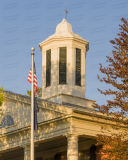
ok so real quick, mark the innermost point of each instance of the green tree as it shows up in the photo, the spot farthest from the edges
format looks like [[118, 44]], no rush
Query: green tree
[[39, 92], [1, 98], [116, 74]]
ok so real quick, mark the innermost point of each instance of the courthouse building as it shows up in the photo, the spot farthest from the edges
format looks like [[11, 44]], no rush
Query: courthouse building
[[66, 127]]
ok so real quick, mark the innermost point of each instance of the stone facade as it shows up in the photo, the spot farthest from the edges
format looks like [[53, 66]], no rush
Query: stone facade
[[64, 130]]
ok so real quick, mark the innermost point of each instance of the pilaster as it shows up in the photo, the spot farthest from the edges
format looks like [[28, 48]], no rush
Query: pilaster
[[27, 152]]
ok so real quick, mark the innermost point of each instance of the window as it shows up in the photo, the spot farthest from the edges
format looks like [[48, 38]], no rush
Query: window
[[62, 65], [39, 158], [78, 67], [6, 122], [48, 67], [84, 155], [50, 158]]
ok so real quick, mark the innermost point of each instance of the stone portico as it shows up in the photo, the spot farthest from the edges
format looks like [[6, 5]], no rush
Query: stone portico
[[63, 131]]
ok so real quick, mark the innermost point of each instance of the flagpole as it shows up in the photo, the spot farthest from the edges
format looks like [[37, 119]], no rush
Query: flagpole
[[32, 107]]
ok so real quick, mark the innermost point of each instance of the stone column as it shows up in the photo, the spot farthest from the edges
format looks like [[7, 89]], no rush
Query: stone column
[[27, 152], [72, 148]]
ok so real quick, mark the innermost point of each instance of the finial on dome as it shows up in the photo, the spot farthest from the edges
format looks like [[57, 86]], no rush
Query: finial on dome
[[66, 12]]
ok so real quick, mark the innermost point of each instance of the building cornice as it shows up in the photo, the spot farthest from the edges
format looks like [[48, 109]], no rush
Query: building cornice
[[44, 104], [98, 117], [55, 39], [39, 125]]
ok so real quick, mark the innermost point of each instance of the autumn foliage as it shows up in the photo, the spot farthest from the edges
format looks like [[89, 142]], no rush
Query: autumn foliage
[[39, 92], [116, 74]]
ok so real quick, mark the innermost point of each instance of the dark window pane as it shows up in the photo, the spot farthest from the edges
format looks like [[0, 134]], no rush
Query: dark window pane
[[57, 157], [84, 155], [78, 67], [62, 65], [93, 153], [48, 67], [39, 158]]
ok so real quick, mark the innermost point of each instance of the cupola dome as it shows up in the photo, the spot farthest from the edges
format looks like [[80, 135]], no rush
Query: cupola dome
[[64, 26]]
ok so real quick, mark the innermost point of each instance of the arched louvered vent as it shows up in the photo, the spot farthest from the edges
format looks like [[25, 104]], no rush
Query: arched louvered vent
[[6, 122]]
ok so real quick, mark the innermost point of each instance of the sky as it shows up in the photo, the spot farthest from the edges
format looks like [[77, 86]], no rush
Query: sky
[[24, 24]]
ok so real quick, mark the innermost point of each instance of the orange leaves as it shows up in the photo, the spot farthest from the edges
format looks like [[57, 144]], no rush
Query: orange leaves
[[116, 74]]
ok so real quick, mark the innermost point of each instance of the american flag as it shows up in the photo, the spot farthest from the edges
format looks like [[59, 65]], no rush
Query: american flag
[[35, 79], [36, 109]]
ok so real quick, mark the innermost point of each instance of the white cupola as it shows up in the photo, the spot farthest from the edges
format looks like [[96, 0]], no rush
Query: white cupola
[[63, 63]]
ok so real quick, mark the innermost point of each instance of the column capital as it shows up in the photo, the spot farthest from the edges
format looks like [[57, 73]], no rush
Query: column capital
[[27, 148], [27, 145], [72, 136]]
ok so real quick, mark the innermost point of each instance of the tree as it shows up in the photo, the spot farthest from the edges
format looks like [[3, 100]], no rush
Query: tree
[[39, 92], [1, 98], [116, 74]]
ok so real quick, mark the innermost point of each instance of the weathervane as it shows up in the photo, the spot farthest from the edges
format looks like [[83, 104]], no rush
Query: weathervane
[[66, 12]]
